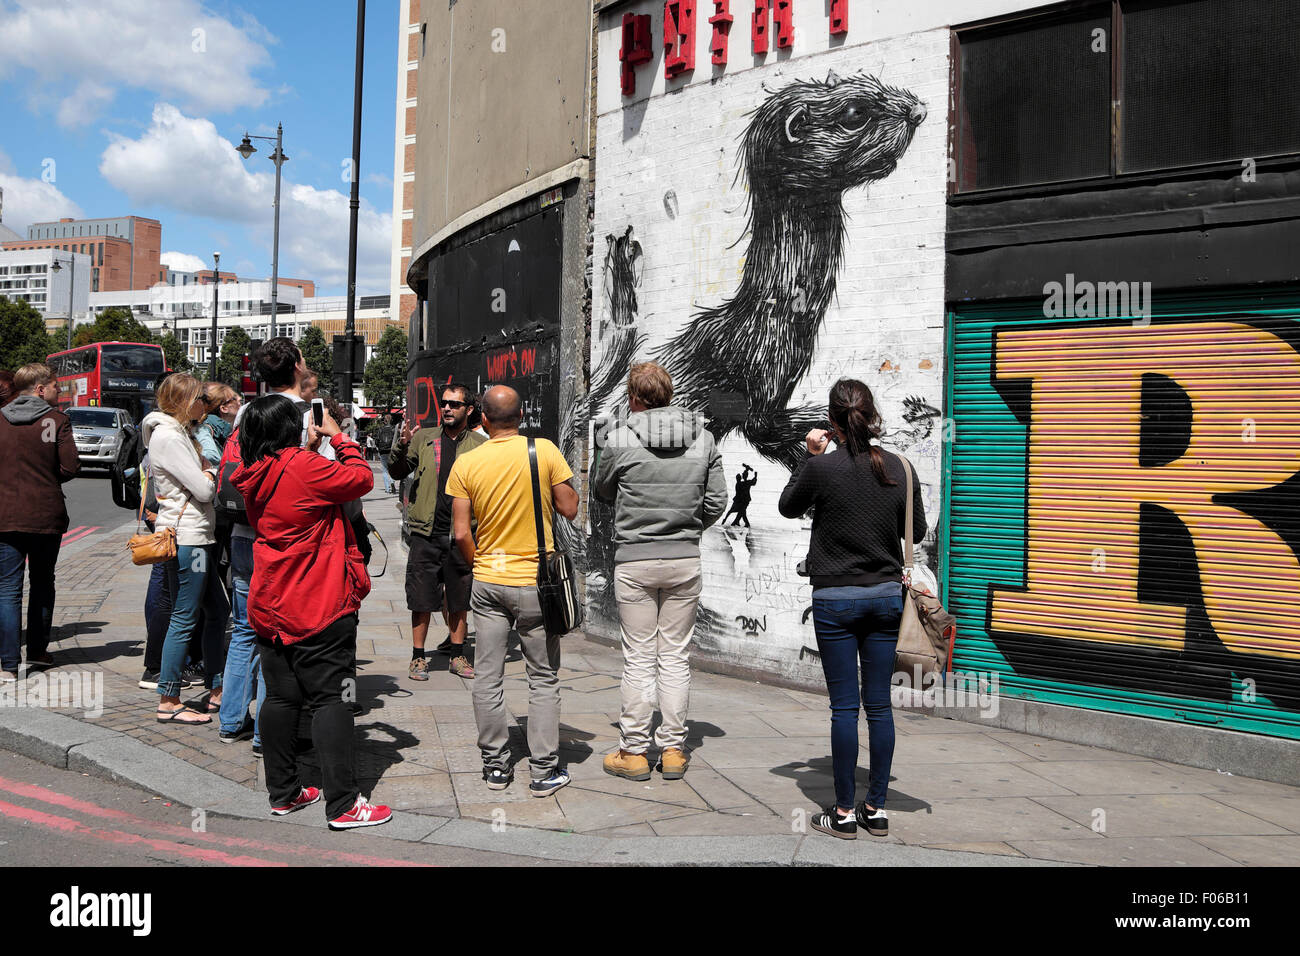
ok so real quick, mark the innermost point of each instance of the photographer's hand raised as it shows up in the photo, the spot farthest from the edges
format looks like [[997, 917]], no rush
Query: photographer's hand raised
[[818, 440]]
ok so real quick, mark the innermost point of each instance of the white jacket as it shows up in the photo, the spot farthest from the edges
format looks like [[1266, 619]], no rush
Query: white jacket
[[177, 473]]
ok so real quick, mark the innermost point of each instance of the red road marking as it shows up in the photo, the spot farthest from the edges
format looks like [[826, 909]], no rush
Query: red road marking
[[76, 534], [66, 825], [79, 527], [46, 795]]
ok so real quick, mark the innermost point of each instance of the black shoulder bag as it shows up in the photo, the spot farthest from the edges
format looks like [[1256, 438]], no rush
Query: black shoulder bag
[[557, 585]]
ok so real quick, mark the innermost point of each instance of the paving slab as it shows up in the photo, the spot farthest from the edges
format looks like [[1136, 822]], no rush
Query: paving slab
[[1127, 851], [701, 851], [973, 820], [1255, 850], [822, 850], [46, 736], [938, 781], [1159, 814]]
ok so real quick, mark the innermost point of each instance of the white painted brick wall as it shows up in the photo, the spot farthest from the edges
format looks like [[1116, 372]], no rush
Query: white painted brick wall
[[885, 327]]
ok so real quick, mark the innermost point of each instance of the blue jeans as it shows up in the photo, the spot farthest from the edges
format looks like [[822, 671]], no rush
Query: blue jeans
[[198, 584], [859, 625], [38, 553], [243, 663], [157, 614]]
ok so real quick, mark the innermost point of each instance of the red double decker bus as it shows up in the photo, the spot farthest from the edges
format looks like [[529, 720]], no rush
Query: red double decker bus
[[109, 375]]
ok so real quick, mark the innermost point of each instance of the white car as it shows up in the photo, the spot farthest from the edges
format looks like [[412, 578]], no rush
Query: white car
[[98, 433]]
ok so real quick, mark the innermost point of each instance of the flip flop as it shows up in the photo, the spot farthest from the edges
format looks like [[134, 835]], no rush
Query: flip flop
[[171, 715]]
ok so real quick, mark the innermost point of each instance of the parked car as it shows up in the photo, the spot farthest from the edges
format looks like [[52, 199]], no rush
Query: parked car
[[98, 433]]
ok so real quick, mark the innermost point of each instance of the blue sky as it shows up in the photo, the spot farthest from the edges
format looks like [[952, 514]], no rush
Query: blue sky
[[116, 107]]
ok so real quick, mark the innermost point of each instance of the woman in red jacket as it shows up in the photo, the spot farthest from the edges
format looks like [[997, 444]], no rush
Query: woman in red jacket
[[308, 582]]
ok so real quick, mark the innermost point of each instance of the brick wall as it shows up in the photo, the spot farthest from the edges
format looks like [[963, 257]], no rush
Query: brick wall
[[666, 168]]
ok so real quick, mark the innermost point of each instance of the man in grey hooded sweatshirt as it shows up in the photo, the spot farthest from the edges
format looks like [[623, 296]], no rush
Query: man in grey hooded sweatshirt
[[39, 455], [664, 475]]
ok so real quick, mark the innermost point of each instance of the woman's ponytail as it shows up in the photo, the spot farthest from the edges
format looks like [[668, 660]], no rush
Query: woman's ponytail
[[853, 409]]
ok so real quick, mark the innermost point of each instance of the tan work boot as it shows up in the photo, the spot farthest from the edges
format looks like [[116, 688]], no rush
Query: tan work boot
[[673, 763], [629, 766]]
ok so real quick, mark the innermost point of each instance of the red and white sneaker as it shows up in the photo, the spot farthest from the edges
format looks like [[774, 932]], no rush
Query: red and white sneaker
[[362, 814], [306, 797]]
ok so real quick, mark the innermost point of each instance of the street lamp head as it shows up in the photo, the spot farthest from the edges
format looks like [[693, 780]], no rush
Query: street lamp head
[[246, 148], [57, 266]]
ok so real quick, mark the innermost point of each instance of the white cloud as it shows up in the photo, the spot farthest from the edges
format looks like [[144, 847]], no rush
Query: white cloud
[[183, 163], [84, 104], [182, 262], [29, 200], [174, 49]]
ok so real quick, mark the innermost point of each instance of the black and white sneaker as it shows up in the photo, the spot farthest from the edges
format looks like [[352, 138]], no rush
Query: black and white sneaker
[[192, 676], [830, 821], [257, 751], [546, 787], [149, 681], [876, 822], [231, 736], [498, 779]]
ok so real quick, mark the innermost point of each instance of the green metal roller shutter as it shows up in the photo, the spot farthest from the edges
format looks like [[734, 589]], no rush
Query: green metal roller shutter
[[1123, 508]]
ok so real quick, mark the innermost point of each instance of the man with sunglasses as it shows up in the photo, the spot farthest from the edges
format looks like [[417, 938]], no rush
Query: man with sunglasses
[[437, 577]]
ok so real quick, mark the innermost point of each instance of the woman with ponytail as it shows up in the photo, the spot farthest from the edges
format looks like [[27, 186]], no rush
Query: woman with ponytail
[[857, 494]]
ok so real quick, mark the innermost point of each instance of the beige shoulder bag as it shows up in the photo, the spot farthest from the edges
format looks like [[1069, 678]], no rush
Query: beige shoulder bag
[[927, 631], [158, 546]]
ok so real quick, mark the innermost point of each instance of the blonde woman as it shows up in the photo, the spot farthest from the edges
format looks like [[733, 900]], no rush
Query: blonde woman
[[221, 405], [184, 484]]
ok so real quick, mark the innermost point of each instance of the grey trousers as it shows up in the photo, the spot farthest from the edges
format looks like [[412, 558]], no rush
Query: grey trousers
[[657, 603], [498, 608]]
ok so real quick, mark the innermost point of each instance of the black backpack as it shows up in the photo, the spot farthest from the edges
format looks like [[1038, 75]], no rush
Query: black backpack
[[124, 473]]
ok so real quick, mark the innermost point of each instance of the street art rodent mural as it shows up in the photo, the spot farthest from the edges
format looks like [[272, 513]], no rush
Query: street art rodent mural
[[739, 362], [805, 146]]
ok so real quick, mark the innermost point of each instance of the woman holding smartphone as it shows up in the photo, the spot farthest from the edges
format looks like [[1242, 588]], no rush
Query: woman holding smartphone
[[308, 583], [184, 485], [855, 564]]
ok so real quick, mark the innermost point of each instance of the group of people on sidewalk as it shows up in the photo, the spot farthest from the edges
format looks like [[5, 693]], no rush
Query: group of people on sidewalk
[[292, 481]]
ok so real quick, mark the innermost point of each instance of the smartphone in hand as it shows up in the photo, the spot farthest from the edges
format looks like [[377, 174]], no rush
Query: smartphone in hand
[[317, 412]]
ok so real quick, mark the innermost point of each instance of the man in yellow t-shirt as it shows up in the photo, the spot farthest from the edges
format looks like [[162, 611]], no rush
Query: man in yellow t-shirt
[[495, 486]]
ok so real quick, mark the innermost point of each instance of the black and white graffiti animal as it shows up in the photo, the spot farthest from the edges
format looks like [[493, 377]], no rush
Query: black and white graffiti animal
[[807, 144]]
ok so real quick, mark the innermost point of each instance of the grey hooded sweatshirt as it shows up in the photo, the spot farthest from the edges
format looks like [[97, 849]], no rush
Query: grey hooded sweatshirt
[[662, 471]]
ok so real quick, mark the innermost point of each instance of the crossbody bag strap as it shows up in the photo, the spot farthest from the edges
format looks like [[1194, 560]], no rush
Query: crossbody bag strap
[[907, 524], [144, 493], [537, 508]]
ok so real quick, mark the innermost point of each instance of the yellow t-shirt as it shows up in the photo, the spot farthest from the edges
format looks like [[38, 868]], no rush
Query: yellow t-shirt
[[495, 478]]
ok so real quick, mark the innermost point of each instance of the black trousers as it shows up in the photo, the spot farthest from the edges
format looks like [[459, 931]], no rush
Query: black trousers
[[312, 676]]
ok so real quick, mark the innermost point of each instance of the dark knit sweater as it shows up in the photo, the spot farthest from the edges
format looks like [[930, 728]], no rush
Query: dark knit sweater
[[857, 527]]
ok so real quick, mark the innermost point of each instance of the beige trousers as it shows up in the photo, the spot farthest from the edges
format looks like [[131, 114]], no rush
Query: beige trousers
[[657, 601]]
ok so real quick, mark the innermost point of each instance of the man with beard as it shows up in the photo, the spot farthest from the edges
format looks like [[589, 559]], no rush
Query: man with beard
[[437, 576]]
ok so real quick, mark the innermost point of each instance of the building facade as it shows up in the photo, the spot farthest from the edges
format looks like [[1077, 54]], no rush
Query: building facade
[[500, 222], [410, 45], [28, 275], [124, 251], [1061, 261]]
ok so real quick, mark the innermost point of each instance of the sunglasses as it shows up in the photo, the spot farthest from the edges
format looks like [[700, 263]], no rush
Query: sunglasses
[[449, 403]]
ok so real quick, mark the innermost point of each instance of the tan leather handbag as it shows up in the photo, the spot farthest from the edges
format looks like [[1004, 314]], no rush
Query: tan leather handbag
[[158, 546], [927, 631]]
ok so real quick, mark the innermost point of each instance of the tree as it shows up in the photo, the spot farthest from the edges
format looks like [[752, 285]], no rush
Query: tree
[[112, 325], [22, 335], [230, 366], [317, 354], [177, 359], [385, 379]]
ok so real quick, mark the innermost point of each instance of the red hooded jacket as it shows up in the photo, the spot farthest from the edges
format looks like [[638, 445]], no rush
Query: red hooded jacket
[[307, 571]]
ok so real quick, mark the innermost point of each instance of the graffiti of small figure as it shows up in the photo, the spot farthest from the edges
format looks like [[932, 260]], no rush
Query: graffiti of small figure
[[806, 144], [745, 481]]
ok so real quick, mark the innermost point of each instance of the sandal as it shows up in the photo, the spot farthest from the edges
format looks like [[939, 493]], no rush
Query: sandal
[[170, 717], [214, 708]]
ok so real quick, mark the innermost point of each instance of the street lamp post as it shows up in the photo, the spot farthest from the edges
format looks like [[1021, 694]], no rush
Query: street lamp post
[[212, 346], [72, 288], [354, 204], [247, 149]]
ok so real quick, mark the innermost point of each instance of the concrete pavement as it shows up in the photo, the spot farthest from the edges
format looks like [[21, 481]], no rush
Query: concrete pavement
[[962, 793]]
